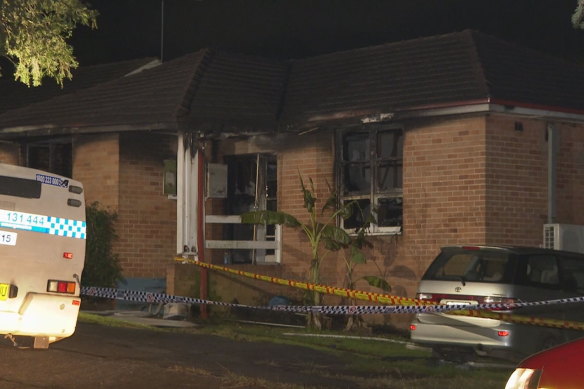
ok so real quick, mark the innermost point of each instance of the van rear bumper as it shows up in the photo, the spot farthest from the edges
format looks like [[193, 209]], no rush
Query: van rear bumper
[[471, 336], [42, 315]]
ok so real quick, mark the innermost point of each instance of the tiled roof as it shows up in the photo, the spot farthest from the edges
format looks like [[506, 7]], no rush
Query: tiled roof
[[212, 88], [447, 70], [15, 94], [223, 92], [384, 78], [237, 93], [521, 76], [151, 98]]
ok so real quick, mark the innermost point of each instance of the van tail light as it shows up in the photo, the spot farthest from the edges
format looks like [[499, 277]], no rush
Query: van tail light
[[413, 327], [442, 298], [523, 378], [65, 287]]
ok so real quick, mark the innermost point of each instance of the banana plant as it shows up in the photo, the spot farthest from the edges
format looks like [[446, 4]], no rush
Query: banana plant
[[323, 234]]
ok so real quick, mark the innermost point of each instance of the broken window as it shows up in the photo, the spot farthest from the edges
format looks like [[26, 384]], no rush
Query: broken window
[[53, 156], [371, 176]]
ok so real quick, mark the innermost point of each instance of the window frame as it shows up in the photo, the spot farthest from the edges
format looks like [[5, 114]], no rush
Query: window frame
[[57, 158], [373, 162]]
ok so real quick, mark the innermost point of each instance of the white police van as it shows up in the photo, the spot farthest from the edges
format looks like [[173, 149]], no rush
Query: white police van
[[42, 253]]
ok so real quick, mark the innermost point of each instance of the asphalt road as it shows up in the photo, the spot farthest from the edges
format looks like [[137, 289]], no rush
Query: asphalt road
[[110, 357]]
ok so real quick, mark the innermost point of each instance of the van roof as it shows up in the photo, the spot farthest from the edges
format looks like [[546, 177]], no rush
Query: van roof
[[515, 249]]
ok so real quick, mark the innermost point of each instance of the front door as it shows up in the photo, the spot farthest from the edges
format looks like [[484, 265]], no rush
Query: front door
[[251, 185]]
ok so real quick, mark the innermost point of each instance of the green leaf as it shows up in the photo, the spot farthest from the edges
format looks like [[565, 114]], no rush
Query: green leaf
[[269, 217], [377, 282], [309, 199], [336, 234], [347, 209], [357, 255], [34, 35], [331, 202], [361, 239], [332, 245]]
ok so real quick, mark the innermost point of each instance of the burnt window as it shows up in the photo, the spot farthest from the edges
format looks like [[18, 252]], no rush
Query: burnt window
[[370, 170], [53, 156]]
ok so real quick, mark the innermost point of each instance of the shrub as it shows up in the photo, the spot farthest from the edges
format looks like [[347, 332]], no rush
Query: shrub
[[102, 267]]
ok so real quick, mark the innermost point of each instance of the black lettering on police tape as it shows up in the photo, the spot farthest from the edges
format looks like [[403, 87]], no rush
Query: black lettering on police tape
[[141, 296]]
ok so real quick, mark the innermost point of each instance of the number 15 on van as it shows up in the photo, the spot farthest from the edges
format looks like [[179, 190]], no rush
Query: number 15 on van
[[8, 238]]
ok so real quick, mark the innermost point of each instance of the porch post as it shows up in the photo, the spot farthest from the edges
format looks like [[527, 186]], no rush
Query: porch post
[[190, 240], [180, 195], [200, 214]]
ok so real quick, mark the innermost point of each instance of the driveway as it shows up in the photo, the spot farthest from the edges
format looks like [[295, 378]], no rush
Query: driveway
[[112, 357]]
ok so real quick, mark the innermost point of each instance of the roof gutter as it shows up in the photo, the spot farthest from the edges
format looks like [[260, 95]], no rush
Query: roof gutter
[[494, 105], [53, 130], [485, 105]]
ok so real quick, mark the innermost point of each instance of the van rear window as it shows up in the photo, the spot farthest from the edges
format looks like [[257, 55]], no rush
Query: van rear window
[[472, 265], [20, 187]]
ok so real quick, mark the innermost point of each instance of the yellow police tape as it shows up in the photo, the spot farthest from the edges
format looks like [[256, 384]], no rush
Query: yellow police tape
[[389, 299], [342, 292]]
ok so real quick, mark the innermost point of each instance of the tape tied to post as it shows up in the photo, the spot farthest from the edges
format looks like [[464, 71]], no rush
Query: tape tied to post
[[464, 309]]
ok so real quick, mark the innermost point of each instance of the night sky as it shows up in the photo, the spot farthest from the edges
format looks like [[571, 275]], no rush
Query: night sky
[[301, 28]]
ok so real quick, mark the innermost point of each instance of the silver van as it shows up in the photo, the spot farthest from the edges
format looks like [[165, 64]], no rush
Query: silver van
[[480, 274]]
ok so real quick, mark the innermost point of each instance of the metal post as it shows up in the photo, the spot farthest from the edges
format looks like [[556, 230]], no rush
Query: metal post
[[162, 31], [552, 138], [201, 229]]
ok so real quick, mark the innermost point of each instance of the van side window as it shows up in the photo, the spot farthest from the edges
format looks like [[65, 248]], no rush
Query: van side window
[[572, 274], [476, 266], [542, 270], [20, 187]]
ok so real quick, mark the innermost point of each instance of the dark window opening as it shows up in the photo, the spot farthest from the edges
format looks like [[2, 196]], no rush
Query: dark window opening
[[251, 185], [55, 156], [370, 167]]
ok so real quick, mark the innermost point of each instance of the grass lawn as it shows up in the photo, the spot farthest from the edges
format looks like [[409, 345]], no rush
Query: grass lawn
[[377, 361], [380, 361]]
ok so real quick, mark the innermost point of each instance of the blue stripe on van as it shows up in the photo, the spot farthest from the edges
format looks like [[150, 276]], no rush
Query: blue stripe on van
[[44, 224]]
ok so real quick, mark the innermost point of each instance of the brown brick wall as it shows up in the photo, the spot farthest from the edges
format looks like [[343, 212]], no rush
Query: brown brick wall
[[443, 195], [123, 172], [473, 180], [146, 217], [9, 153], [96, 161], [444, 189], [516, 181], [312, 157], [570, 177]]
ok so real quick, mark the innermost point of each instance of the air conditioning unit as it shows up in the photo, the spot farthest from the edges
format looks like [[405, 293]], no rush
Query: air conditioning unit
[[567, 237]]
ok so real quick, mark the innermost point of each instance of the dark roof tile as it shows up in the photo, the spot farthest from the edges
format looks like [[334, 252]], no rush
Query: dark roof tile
[[207, 89], [16, 95], [224, 92], [384, 78]]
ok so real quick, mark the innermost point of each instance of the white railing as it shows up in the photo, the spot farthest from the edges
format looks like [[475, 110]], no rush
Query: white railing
[[259, 245]]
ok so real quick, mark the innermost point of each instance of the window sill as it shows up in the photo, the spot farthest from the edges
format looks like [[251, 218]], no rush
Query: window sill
[[381, 232]]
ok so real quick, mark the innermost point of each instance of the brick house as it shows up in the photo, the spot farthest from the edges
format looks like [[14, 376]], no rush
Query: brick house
[[452, 139]]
